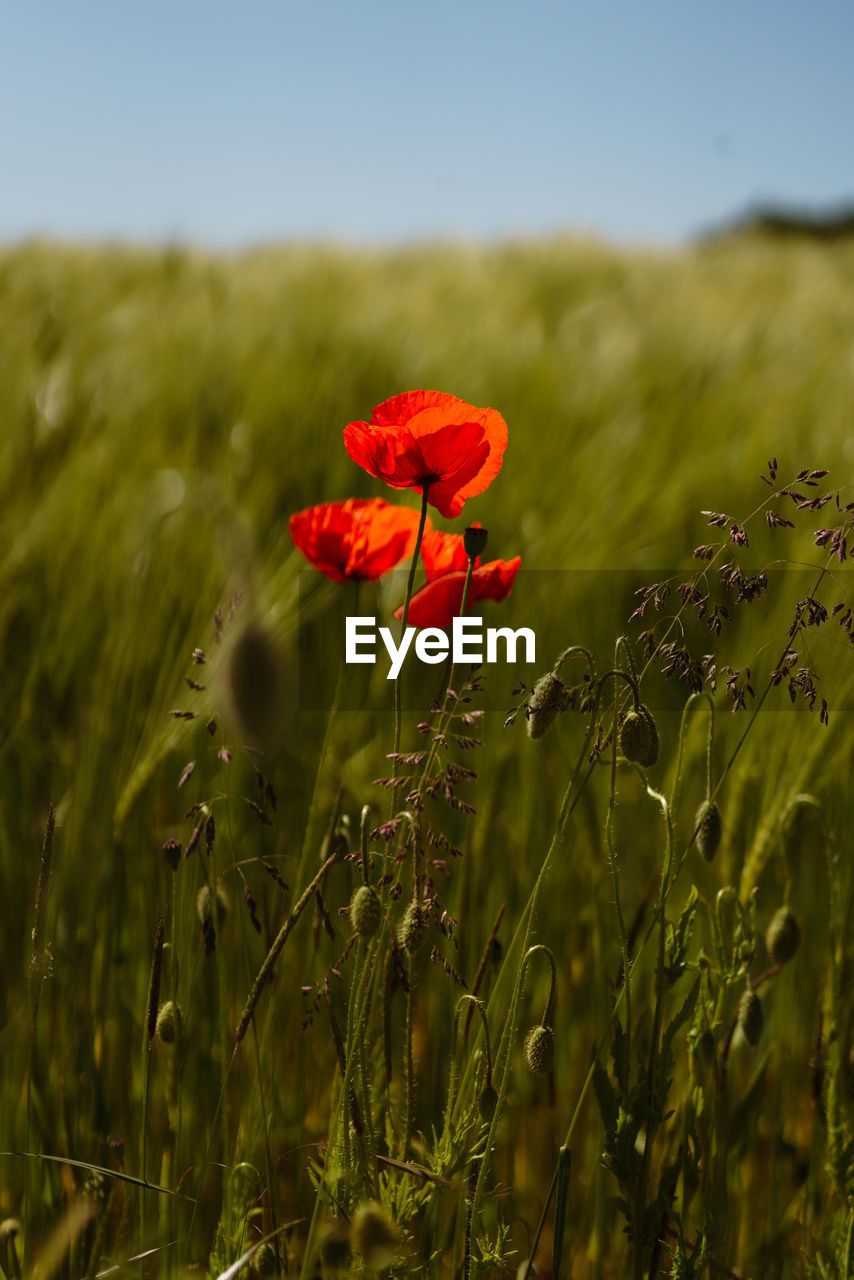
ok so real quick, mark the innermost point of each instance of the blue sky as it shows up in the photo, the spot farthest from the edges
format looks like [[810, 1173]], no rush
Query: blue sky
[[367, 121]]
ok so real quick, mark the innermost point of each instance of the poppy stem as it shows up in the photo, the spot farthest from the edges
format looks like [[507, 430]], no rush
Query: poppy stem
[[395, 763]]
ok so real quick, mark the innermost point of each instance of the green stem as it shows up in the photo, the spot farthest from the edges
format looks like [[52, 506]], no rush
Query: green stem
[[398, 684]]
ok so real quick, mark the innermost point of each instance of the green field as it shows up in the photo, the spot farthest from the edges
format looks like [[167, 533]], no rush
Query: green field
[[163, 414]]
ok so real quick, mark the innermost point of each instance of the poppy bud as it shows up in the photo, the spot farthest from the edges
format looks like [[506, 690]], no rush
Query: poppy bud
[[705, 1047], [375, 1236], [783, 937], [750, 1017], [635, 737], [487, 1102], [544, 705], [170, 1021], [365, 911], [413, 927], [540, 1050], [708, 820], [474, 540], [335, 1246], [264, 1260], [253, 682], [650, 757]]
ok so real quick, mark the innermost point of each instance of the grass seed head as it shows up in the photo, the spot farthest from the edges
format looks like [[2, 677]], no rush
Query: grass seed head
[[170, 1022], [413, 927], [544, 705], [375, 1237], [365, 911], [783, 937], [708, 820], [635, 737], [750, 1017], [540, 1050], [650, 756]]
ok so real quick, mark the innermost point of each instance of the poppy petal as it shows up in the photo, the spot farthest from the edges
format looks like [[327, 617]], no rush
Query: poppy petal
[[357, 538], [438, 603], [429, 437]]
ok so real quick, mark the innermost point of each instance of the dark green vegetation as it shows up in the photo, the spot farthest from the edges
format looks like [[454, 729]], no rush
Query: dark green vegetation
[[162, 416]]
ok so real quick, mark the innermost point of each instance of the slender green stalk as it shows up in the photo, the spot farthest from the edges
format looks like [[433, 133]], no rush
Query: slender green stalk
[[398, 684], [280, 940]]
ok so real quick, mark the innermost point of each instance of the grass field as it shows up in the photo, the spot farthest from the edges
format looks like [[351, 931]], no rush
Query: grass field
[[163, 414]]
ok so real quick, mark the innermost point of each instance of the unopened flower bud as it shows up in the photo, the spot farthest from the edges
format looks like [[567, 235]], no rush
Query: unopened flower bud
[[487, 1102], [783, 937], [708, 821], [544, 705], [540, 1050], [375, 1237], [650, 757], [413, 927], [365, 911], [170, 1021], [634, 737], [751, 1017]]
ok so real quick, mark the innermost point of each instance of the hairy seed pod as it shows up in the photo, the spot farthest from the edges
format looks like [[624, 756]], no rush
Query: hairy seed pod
[[413, 927], [650, 756], [540, 1050], [706, 1047], [170, 1022], [375, 1237], [783, 937], [487, 1102], [365, 911], [264, 1260], [335, 1246], [634, 737], [708, 821], [750, 1017], [544, 705], [252, 674]]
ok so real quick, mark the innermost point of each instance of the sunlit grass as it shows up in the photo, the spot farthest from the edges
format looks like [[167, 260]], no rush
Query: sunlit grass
[[163, 415]]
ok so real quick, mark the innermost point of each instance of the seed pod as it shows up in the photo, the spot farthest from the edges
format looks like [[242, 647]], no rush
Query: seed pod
[[540, 1050], [705, 1047], [708, 820], [365, 911], [413, 927], [375, 1237], [264, 1260], [750, 1017], [783, 937], [474, 540], [487, 1102], [634, 737], [650, 756], [170, 1022], [544, 705]]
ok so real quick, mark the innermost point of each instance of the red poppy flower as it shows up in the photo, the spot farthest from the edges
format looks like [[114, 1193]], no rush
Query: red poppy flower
[[428, 438], [444, 553], [437, 604], [358, 538]]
